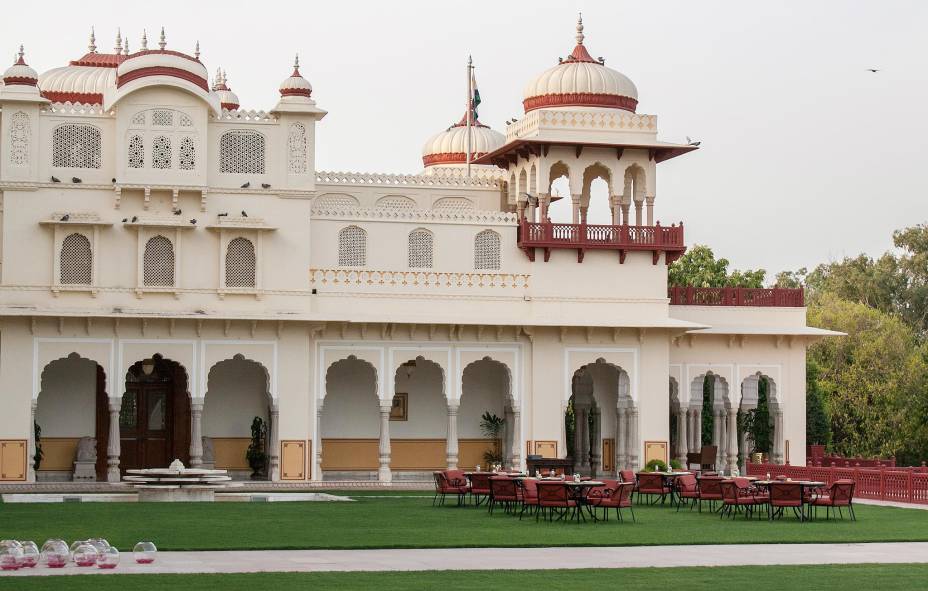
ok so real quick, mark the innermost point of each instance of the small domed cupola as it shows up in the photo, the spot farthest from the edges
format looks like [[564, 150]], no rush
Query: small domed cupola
[[580, 81], [228, 100], [450, 145], [20, 73], [296, 87]]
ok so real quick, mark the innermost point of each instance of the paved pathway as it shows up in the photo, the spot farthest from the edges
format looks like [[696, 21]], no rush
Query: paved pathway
[[509, 558]]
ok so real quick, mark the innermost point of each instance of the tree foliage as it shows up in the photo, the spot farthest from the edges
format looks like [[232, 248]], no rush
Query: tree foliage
[[698, 267]]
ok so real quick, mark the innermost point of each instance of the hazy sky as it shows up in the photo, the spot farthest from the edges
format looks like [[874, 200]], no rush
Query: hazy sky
[[806, 156]]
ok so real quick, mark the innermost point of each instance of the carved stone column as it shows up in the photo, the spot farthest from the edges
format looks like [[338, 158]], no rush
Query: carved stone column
[[196, 432], [451, 441], [683, 432], [650, 204], [745, 452], [575, 208], [583, 430], [778, 437], [621, 436], [721, 459], [30, 457], [113, 447], [596, 452], [697, 423], [635, 444], [732, 431], [317, 456], [639, 206], [583, 211], [516, 438], [625, 213], [274, 444], [383, 473], [544, 201]]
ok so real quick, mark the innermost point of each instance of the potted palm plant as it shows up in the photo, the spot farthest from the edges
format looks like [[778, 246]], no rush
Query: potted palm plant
[[256, 455], [492, 427]]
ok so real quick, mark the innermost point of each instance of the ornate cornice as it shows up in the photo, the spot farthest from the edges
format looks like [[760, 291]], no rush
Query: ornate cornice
[[418, 278], [481, 179], [451, 216]]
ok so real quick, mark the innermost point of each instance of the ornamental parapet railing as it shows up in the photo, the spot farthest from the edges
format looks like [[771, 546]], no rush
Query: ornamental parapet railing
[[623, 238], [903, 485], [478, 179], [538, 119], [423, 278], [737, 296]]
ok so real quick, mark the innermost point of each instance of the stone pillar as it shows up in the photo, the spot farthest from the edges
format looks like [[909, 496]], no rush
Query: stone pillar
[[30, 457], [575, 207], [451, 442], [317, 456], [639, 206], [583, 211], [384, 474], [778, 436], [621, 435], [745, 452], [625, 213], [721, 460], [697, 421], [634, 443], [650, 204], [596, 452], [516, 438], [732, 431], [196, 432], [544, 201], [716, 429], [583, 428], [274, 444], [682, 437], [113, 447]]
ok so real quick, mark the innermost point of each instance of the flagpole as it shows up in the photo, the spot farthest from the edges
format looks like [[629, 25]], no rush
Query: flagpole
[[470, 108]]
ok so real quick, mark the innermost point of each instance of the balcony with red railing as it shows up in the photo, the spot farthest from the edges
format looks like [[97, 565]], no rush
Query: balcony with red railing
[[655, 239], [737, 296]]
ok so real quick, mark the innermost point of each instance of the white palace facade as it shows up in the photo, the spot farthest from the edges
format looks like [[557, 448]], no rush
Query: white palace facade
[[187, 269]]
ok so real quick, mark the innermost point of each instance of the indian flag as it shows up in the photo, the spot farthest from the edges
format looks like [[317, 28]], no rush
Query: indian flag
[[475, 94]]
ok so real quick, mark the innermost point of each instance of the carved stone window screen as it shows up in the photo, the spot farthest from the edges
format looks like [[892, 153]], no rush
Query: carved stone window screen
[[296, 148], [158, 262], [352, 247], [240, 263], [76, 260], [241, 151], [76, 145], [162, 118], [486, 250], [396, 202], [20, 139], [420, 249], [136, 152], [187, 158], [139, 118], [185, 120], [161, 152]]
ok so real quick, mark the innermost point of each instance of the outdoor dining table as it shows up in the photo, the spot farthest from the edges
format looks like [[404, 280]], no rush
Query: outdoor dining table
[[669, 480], [805, 485], [577, 489]]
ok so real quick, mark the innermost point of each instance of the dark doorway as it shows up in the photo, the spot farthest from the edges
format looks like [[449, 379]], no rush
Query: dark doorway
[[154, 419]]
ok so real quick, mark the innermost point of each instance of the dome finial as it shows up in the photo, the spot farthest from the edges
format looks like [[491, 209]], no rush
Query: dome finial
[[579, 28], [196, 50], [125, 49], [144, 40], [117, 49], [296, 65], [162, 42], [93, 42], [19, 57]]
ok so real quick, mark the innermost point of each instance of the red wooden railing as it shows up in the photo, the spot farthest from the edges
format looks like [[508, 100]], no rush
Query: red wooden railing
[[623, 238], [905, 485], [736, 296]]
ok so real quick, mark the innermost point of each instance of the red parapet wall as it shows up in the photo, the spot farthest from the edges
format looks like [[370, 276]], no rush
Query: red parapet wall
[[903, 485], [737, 296], [582, 237]]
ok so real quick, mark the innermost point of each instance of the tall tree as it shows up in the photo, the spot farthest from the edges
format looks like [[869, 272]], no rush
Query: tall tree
[[698, 267], [818, 425]]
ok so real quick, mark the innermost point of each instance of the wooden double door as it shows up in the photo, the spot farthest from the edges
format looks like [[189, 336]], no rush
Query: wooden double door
[[154, 418]]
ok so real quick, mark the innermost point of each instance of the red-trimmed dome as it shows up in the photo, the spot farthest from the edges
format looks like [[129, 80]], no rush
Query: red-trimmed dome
[[580, 81], [450, 145], [296, 85], [228, 100], [20, 73]]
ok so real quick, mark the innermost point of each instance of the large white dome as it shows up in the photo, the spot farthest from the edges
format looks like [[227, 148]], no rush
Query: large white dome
[[450, 145], [580, 81]]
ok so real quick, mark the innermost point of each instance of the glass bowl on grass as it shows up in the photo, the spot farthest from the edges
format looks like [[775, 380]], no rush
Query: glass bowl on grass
[[30, 554], [55, 553], [109, 558], [11, 555], [84, 555], [144, 552]]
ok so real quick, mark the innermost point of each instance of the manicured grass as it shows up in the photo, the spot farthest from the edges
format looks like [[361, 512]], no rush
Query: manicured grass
[[756, 578], [407, 521]]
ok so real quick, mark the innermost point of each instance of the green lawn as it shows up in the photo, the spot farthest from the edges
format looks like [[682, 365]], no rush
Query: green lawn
[[407, 521], [756, 578]]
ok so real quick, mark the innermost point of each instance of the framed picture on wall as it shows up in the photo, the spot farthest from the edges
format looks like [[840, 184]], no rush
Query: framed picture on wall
[[400, 409]]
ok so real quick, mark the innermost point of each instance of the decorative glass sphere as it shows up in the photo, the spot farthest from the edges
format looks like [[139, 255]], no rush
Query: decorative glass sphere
[[99, 543], [30, 554], [74, 546], [55, 553], [109, 558], [11, 555], [144, 552], [85, 554]]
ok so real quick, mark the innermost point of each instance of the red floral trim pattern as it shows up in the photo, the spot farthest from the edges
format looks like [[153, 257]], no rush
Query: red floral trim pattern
[[162, 71], [580, 99], [450, 158]]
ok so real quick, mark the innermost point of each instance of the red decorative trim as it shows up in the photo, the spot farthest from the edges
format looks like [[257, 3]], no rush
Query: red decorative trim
[[581, 237], [100, 60], [580, 99], [229, 106], [163, 52], [162, 71], [580, 54], [87, 98], [296, 92], [20, 81], [737, 296], [450, 158]]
